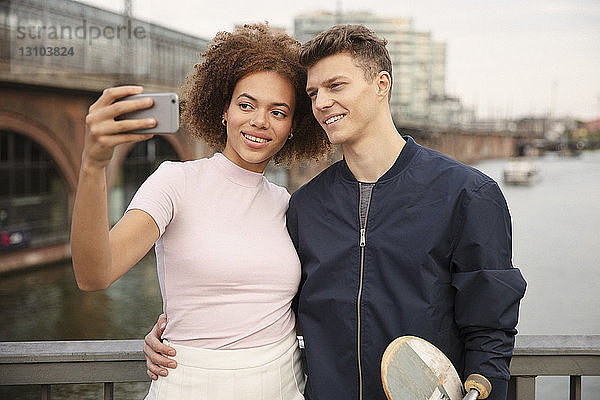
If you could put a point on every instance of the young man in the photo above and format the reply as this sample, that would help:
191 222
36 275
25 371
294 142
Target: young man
394 240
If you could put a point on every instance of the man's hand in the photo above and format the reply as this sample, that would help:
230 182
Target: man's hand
154 350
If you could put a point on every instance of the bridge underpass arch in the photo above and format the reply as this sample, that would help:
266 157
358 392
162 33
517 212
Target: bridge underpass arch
35 196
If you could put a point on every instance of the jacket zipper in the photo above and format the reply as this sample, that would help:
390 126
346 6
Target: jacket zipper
362 243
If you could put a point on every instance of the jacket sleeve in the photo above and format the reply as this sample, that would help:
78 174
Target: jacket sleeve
488 288
291 221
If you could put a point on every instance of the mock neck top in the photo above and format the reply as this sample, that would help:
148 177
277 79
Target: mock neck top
235 173
227 268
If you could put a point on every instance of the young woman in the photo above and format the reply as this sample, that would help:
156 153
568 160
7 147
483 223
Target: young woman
226 266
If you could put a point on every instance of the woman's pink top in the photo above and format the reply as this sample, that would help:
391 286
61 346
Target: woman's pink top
226 266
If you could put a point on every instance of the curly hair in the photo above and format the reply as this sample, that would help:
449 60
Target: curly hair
231 56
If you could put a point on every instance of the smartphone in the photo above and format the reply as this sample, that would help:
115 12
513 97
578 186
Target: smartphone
165 110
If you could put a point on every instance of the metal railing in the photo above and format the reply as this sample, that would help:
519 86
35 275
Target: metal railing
109 361
56 362
552 355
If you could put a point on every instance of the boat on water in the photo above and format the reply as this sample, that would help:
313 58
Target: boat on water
520 172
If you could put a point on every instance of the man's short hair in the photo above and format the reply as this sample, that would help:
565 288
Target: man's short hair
364 45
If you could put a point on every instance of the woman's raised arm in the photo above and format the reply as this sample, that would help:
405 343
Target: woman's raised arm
100 257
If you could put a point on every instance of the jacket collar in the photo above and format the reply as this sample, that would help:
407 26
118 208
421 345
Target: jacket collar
406 155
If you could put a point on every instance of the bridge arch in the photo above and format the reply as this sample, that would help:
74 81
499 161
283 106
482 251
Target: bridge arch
34 203
48 141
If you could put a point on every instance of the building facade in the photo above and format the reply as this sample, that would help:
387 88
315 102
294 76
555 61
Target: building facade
418 61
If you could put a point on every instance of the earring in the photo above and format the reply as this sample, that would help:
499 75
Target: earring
223 121
291 135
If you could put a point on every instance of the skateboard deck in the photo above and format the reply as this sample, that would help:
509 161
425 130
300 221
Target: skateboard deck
414 369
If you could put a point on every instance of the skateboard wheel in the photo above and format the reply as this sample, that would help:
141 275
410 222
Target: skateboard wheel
479 383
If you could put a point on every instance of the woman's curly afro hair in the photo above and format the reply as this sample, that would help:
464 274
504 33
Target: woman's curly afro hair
231 56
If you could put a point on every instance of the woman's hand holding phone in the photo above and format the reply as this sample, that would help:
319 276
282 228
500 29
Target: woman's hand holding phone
103 133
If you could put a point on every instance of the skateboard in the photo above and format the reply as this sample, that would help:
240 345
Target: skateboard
414 369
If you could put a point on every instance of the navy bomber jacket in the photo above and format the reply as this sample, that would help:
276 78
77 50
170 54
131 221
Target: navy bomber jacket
435 263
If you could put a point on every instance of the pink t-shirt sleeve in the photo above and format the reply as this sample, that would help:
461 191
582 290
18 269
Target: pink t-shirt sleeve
160 193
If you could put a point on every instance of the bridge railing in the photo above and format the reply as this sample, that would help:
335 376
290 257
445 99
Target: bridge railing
109 361
553 355
49 363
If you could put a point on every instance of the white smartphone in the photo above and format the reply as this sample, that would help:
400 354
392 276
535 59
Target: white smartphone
165 110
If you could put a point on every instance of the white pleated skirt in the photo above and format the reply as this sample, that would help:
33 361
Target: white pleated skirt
271 372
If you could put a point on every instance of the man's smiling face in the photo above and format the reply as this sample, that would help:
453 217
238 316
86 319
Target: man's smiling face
344 101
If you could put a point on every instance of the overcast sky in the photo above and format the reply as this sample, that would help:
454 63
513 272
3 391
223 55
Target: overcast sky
504 57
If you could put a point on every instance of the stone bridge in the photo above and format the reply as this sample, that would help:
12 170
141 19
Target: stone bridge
56 57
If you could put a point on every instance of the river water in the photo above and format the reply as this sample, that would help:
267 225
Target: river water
556 227
556 223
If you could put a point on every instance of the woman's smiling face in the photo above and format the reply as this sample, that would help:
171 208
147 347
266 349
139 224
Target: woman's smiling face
259 119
